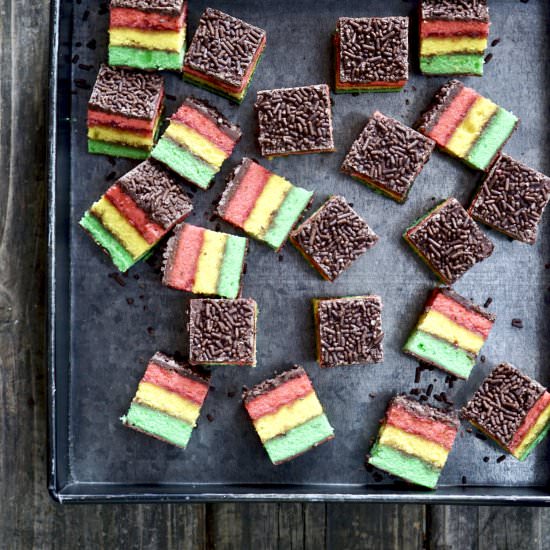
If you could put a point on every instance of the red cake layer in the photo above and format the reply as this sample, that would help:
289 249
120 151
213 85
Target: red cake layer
438 432
454 28
172 381
149 230
205 127
99 118
247 192
530 419
183 263
453 116
136 19
461 315
281 395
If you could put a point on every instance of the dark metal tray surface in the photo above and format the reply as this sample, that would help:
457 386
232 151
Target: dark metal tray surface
102 333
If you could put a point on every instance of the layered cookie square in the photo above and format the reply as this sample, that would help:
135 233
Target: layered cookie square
414 441
450 332
203 261
512 409
224 54
453 37
222 332
136 212
512 199
388 156
197 142
264 205
348 330
148 35
287 415
124 112
168 400
371 54
333 238
448 241
293 121
467 125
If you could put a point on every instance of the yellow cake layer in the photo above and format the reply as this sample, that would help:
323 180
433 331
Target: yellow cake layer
469 129
196 143
170 41
533 433
413 445
114 135
125 233
209 263
269 201
462 44
168 402
435 323
288 417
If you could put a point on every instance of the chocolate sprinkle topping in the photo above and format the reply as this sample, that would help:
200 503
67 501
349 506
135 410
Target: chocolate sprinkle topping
156 191
222 331
450 241
439 104
350 331
512 199
294 120
184 369
171 8
455 10
373 49
224 47
502 402
334 237
269 385
389 154
128 93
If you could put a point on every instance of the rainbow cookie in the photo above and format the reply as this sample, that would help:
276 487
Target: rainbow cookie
168 400
287 415
261 203
197 142
512 409
202 261
224 54
453 37
136 212
467 125
124 112
414 441
147 34
450 333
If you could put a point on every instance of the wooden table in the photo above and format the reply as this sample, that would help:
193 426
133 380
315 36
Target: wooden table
28 518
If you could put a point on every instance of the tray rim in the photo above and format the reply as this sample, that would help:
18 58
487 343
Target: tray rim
72 492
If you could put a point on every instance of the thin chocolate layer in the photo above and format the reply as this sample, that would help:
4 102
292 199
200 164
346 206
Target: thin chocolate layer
233 181
423 410
269 385
439 104
468 304
185 369
209 111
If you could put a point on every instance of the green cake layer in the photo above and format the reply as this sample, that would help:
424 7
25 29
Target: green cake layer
173 430
184 163
404 466
123 56
232 266
440 353
116 150
535 442
452 64
299 439
492 138
119 255
287 215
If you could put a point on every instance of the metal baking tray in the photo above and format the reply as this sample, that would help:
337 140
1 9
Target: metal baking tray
102 333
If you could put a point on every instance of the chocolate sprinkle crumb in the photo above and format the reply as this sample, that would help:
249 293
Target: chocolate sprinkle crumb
488 302
501 458
464 480
486 459
117 278
210 417
453 10
171 8
488 58
129 301
495 42
517 323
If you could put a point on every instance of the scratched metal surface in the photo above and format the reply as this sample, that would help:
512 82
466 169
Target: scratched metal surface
104 332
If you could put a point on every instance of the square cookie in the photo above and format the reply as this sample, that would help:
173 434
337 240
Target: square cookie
294 121
222 332
388 156
371 54
348 330
512 409
449 241
512 199
333 238
287 415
